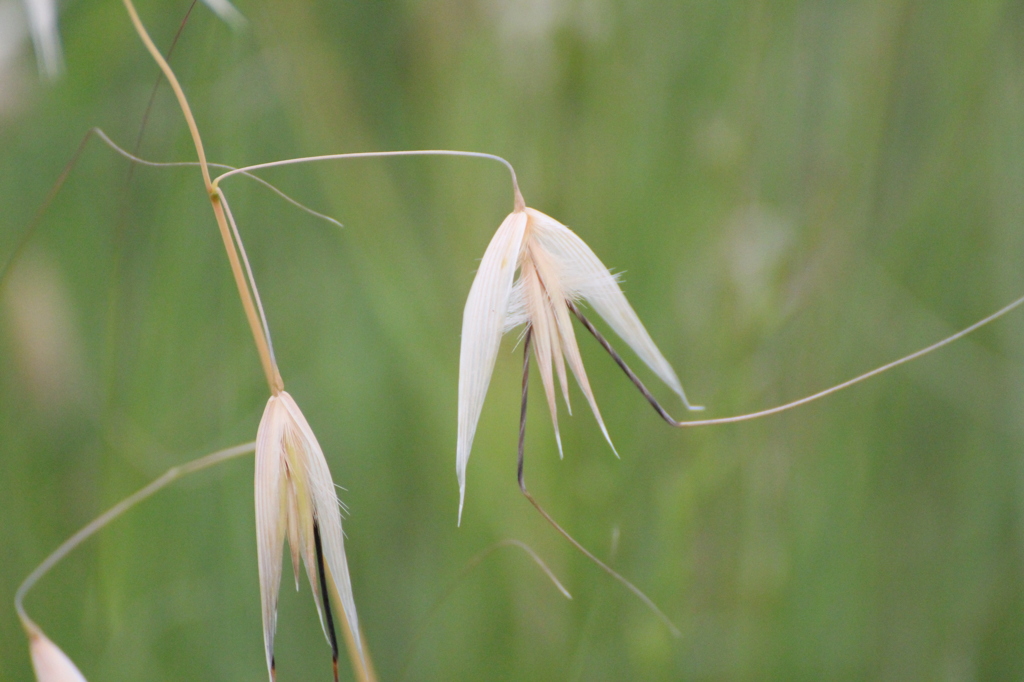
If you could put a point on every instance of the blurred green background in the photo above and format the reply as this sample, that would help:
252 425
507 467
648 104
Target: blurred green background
796 192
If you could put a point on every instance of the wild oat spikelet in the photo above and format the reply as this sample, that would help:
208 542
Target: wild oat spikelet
556 268
295 497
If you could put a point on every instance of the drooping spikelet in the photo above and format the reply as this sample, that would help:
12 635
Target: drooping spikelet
295 498
556 268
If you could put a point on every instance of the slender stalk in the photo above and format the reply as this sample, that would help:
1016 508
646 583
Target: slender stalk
98 132
517 197
101 521
273 376
179 94
648 602
796 403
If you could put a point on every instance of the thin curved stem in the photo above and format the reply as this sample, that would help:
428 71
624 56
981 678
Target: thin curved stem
98 132
796 403
519 204
101 521
648 602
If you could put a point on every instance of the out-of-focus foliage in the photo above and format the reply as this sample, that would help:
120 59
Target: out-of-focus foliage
795 191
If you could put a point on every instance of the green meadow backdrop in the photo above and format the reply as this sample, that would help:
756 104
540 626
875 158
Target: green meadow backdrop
794 191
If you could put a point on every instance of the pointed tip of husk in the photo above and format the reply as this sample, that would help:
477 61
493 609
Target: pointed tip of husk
607 436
